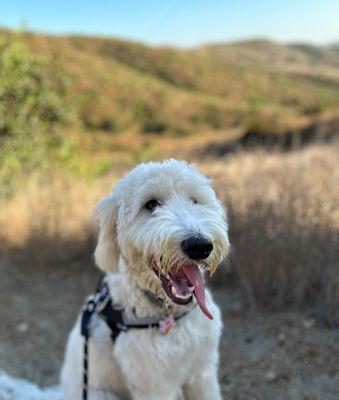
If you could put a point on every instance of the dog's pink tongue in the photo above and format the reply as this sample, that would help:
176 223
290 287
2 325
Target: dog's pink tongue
194 275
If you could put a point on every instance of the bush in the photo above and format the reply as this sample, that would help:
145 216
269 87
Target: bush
265 121
35 103
214 116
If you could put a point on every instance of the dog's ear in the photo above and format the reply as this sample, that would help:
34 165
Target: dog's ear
107 252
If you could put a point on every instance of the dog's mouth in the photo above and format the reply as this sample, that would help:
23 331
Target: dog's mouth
182 282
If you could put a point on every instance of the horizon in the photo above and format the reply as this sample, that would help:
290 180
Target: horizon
30 31
190 24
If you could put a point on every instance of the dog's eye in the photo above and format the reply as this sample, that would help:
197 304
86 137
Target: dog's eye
194 201
152 204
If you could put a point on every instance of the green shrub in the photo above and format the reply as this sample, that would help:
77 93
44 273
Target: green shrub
35 104
262 122
216 116
155 125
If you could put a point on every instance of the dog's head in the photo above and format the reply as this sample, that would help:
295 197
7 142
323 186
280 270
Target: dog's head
165 222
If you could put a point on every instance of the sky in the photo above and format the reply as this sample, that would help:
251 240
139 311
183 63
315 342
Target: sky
180 22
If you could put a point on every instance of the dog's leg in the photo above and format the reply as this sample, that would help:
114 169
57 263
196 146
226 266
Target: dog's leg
203 385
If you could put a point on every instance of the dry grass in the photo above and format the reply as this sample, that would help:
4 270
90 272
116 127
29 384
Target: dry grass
284 217
50 219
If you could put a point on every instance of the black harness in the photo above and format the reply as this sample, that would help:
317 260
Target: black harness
101 304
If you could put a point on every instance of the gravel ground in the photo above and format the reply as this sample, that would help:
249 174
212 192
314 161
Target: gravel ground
281 355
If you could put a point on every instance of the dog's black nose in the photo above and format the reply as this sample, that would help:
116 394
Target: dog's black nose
197 247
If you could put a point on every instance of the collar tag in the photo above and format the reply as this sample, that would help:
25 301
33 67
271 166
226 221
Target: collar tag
167 324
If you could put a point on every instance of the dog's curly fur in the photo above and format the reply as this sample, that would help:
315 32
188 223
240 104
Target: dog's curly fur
144 363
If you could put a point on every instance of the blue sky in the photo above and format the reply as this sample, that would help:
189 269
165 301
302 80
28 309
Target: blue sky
180 22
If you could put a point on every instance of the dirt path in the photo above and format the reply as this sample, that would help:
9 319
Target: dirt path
275 356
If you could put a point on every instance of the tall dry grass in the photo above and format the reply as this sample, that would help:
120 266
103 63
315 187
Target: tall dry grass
50 219
283 212
284 218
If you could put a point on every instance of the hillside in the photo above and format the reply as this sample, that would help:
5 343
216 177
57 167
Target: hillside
297 56
258 85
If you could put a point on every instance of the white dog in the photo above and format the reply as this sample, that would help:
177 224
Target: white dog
160 229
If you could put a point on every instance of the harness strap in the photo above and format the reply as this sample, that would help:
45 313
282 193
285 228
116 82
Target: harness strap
113 318
101 304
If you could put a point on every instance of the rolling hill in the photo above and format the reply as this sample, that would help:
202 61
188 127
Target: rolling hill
126 85
256 85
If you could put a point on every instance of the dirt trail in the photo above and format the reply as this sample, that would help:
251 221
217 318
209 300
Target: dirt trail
268 356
